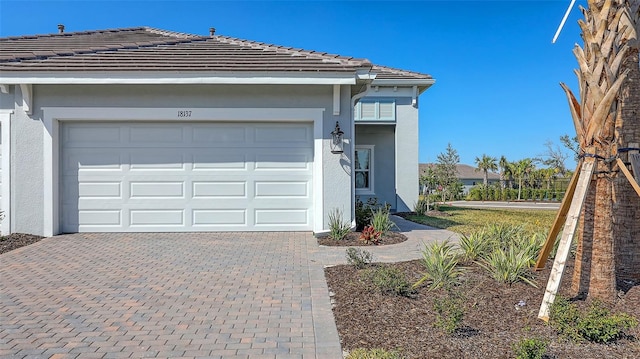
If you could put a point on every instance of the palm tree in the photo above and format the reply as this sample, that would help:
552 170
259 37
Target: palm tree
605 118
504 171
486 164
522 169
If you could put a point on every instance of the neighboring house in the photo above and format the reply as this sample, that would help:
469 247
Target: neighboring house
468 175
140 129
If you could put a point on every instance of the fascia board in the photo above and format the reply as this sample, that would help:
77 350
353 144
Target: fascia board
424 84
150 78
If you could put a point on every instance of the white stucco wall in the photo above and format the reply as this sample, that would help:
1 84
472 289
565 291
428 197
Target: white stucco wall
29 152
406 155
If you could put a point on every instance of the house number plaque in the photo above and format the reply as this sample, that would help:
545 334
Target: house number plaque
184 113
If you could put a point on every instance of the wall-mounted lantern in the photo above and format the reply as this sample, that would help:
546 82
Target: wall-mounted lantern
337 144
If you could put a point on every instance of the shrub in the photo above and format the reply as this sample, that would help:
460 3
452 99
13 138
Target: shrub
597 325
364 212
390 280
370 235
449 312
509 265
381 221
358 258
361 353
441 265
534 348
475 246
338 227
422 206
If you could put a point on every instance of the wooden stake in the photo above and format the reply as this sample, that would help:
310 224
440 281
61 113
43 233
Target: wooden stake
560 220
627 174
634 158
568 231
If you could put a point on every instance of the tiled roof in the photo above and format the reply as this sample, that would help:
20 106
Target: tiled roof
148 49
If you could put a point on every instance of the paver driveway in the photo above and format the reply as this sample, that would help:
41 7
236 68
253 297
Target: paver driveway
226 295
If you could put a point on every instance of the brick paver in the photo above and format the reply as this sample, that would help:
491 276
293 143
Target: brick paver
207 295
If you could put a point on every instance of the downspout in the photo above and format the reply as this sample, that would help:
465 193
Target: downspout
354 100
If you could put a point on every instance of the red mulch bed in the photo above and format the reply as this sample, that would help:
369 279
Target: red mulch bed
492 323
17 240
352 240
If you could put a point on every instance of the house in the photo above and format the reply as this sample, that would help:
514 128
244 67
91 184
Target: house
469 176
141 129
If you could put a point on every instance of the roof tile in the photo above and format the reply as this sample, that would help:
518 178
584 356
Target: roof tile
149 49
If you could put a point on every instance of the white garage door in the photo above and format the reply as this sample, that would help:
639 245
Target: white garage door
172 177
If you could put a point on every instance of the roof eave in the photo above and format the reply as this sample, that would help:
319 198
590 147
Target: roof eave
157 78
423 84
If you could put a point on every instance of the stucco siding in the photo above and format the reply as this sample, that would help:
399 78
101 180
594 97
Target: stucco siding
28 132
406 172
383 139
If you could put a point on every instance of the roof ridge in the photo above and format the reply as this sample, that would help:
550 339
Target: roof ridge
103 31
347 60
183 35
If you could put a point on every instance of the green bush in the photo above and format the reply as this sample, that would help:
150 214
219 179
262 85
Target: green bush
358 258
509 265
440 262
338 227
361 353
534 348
475 246
364 212
449 312
422 206
390 280
596 325
380 220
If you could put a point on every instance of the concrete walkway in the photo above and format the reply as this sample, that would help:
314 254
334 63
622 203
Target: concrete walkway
180 295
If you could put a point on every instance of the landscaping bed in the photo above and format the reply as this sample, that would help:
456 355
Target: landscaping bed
17 240
353 240
496 316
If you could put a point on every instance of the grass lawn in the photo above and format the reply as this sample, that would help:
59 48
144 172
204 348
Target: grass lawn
469 220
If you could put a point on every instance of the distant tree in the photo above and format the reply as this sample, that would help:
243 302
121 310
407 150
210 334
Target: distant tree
446 173
428 179
486 164
555 158
572 144
505 171
522 169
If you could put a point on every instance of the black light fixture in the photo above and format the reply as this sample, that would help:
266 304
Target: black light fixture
337 144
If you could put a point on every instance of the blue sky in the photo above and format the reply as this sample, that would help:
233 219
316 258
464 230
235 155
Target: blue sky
496 70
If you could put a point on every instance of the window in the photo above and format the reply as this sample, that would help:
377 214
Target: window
376 110
364 169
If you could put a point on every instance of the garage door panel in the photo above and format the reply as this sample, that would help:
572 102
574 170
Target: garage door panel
158 160
222 134
297 135
90 135
188 185
219 161
156 135
271 217
100 218
220 218
91 159
289 189
102 190
159 190
218 189
157 217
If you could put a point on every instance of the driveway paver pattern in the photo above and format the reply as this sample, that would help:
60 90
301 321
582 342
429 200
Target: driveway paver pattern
213 295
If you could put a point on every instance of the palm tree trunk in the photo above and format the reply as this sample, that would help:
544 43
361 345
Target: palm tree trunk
609 238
